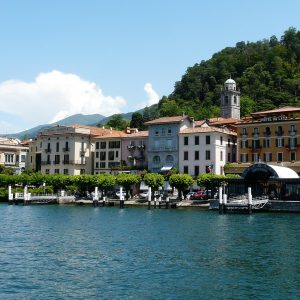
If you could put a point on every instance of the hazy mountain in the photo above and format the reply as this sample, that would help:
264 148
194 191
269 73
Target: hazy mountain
74 119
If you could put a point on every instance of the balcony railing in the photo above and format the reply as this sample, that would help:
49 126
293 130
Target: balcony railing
279 132
48 150
56 162
66 149
45 162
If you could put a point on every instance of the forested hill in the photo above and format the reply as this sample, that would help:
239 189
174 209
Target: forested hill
267 73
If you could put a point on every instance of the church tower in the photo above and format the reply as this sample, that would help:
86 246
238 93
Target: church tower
230 100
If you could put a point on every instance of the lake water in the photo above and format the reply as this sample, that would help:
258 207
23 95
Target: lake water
72 252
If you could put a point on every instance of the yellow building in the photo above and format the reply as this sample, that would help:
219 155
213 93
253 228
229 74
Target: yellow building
269 136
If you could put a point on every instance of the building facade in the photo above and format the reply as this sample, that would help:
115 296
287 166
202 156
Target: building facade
270 136
206 149
64 150
13 154
163 144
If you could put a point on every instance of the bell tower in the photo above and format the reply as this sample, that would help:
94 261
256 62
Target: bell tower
230 100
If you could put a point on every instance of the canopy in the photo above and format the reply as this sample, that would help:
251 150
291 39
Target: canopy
264 171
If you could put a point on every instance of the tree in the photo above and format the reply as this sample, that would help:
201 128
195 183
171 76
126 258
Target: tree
127 181
181 182
169 108
105 182
154 180
211 181
137 121
117 122
247 105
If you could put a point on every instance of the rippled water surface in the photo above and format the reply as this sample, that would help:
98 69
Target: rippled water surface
71 252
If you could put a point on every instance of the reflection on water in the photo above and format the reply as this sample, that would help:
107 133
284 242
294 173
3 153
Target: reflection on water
62 252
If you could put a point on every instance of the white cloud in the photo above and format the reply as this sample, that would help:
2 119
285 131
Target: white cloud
53 96
153 97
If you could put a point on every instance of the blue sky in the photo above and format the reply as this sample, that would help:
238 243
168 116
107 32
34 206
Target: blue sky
58 58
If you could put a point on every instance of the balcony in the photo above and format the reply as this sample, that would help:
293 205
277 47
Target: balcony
48 150
66 149
292 132
141 147
56 162
45 162
267 133
279 132
131 147
66 162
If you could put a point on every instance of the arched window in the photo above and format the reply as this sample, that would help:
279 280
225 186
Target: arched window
234 99
255 130
156 159
268 131
169 159
226 99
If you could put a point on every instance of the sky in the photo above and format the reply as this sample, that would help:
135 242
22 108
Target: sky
59 58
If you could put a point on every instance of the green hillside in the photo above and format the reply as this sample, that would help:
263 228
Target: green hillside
267 72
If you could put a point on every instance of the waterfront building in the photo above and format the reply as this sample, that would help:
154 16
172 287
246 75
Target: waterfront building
206 149
64 150
163 142
270 136
13 154
135 149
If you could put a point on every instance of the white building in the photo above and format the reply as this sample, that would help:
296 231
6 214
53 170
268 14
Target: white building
206 149
13 154
64 150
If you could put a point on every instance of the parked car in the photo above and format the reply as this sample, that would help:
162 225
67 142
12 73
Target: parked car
145 194
190 195
201 195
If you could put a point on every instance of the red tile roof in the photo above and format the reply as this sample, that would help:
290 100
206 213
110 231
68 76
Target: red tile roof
176 119
277 110
207 129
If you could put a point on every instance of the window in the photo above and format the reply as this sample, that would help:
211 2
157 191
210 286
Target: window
169 159
9 158
268 131
293 156
207 139
66 158
255 144
186 170
185 155
226 99
279 130
114 144
103 145
56 171
97 145
57 159
221 140
156 133
244 131
255 130
48 159
82 171
279 156
255 157
97 165
221 155
229 142
47 171
156 159
111 155
186 141
196 140
292 129
279 142
196 155
97 154
102 165
244 144
163 132
228 157
244 157
117 154
234 99
156 145
23 158
266 143
169 131
207 154
102 155
57 147
196 170
66 171
293 142
267 156
41 145
169 144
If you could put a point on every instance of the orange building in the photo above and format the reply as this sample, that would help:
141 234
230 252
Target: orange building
270 136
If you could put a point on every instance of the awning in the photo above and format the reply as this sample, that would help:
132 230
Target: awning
265 171
166 168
